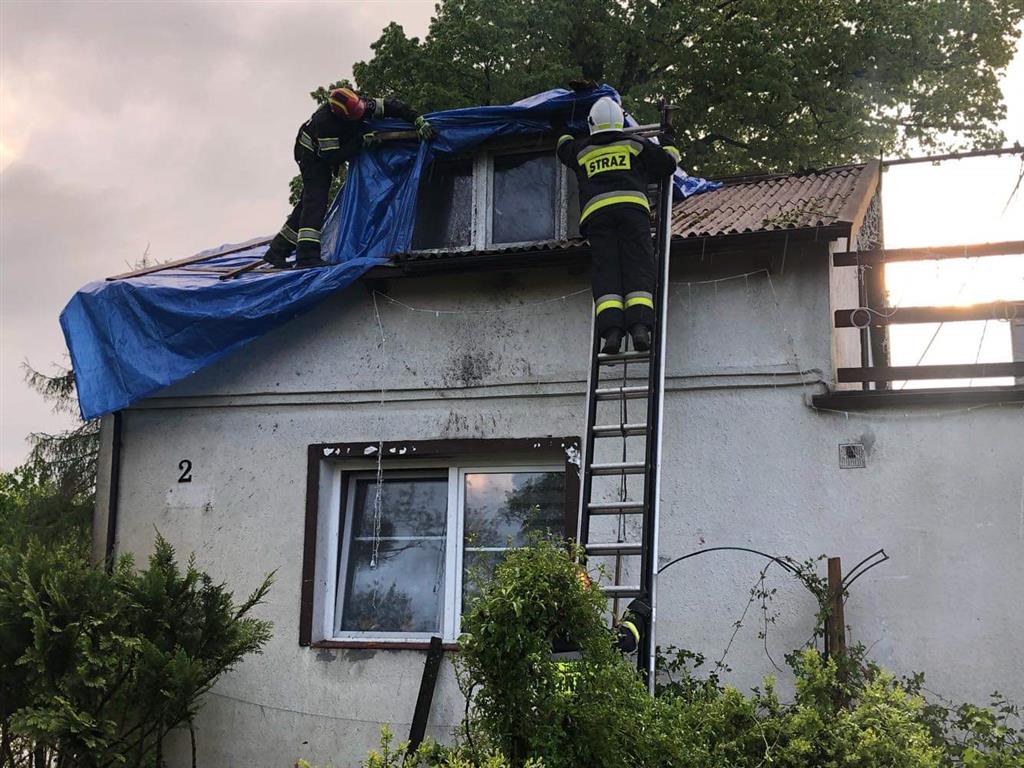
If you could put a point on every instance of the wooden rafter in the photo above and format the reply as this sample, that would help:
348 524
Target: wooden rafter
877 318
885 256
917 372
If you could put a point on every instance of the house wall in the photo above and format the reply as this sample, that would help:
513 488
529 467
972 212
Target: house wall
746 463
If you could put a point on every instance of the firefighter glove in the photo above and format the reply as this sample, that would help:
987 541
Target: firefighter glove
425 129
370 140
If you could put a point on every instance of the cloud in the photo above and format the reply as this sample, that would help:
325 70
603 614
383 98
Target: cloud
132 124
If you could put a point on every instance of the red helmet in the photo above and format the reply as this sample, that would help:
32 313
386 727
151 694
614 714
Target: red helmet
346 103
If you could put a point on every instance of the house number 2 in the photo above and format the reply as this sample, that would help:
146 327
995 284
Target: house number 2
185 465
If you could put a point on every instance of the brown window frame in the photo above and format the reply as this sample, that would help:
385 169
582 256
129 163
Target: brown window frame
396 453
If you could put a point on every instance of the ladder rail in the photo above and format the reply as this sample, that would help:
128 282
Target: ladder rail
587 446
655 415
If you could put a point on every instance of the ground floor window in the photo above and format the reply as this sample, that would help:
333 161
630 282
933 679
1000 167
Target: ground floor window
414 540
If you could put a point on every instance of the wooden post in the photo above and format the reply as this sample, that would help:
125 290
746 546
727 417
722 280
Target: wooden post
418 729
835 630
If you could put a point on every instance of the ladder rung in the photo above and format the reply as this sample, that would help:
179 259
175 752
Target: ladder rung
620 430
622 357
616 393
619 468
622 590
614 507
615 548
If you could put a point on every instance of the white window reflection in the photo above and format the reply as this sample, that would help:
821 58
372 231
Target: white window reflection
402 561
395 575
501 510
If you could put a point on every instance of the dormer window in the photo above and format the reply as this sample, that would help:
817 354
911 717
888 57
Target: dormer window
498 198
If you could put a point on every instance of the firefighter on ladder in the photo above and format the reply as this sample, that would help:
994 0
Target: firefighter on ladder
627 632
614 170
337 131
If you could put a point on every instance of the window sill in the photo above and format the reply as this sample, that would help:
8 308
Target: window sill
854 399
381 645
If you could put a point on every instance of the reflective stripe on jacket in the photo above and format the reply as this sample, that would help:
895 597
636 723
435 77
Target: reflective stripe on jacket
614 169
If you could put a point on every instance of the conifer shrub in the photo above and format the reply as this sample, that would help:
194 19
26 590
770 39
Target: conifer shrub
98 665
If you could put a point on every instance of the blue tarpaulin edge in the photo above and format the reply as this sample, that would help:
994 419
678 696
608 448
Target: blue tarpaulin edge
129 338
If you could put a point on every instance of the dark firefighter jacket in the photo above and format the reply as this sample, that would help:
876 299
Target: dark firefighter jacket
333 139
615 169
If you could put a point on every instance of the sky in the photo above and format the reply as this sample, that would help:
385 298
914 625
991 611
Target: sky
166 128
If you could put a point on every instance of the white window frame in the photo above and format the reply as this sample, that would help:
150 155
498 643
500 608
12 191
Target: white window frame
338 526
482 215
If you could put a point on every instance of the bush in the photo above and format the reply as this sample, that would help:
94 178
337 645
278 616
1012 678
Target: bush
97 666
526 710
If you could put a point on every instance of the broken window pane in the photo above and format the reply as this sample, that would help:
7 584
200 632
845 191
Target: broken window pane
394 580
523 203
444 206
501 510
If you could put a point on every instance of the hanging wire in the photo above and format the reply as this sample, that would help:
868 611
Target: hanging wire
928 346
977 353
378 512
781 323
501 310
1016 187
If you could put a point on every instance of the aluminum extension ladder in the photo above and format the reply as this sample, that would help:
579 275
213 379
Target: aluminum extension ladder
613 385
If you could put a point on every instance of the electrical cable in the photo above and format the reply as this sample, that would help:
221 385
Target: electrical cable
974 266
378 513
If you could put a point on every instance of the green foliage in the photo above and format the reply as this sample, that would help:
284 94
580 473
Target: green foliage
524 709
55 488
589 712
97 666
771 84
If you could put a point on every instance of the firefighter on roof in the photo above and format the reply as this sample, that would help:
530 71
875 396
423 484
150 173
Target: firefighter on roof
614 170
337 131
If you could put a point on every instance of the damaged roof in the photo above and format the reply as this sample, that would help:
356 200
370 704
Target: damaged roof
830 198
771 203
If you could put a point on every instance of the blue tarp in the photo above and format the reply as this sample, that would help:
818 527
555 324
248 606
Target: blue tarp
130 338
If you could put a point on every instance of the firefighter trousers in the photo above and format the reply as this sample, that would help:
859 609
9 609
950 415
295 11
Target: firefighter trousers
302 229
622 267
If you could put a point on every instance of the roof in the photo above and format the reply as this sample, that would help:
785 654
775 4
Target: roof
830 198
796 201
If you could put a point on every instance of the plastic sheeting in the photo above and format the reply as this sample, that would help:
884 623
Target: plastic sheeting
130 338
377 211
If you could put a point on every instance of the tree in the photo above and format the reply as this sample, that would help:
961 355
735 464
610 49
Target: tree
770 84
55 488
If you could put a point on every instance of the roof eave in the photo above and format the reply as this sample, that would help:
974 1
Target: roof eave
580 255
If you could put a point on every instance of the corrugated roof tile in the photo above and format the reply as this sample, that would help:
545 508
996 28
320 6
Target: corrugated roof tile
761 205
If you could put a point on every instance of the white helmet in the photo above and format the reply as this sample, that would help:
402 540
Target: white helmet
605 115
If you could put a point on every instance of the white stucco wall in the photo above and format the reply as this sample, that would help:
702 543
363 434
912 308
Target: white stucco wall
747 463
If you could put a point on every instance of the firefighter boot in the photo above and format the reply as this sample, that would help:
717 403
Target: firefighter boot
641 335
612 341
308 255
278 252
